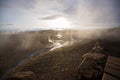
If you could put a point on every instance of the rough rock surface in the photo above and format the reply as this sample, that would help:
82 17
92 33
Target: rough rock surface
92 65
23 75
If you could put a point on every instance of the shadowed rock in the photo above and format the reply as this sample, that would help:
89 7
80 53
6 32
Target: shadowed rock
92 64
23 75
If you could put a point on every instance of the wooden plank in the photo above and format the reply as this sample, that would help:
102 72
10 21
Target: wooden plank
114 66
108 77
113 59
112 71
113 62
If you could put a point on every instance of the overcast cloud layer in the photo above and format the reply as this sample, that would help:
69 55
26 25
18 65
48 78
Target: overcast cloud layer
38 14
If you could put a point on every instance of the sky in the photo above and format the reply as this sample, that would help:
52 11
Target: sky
22 15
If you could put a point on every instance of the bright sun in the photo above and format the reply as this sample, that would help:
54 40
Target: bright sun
59 23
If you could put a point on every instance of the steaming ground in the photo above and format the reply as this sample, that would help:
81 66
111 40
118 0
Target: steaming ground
50 52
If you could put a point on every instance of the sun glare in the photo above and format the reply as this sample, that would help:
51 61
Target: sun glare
59 23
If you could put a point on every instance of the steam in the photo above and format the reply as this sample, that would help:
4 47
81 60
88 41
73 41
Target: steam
58 43
42 39
59 35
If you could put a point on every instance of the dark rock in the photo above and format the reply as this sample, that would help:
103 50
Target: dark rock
23 75
91 66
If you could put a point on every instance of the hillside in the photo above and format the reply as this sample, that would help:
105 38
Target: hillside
59 64
16 47
62 63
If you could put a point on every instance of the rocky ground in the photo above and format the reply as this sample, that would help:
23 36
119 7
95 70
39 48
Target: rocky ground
92 65
81 62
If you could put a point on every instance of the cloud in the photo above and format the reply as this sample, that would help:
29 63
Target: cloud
8 24
81 13
4 25
84 12
24 4
95 13
50 17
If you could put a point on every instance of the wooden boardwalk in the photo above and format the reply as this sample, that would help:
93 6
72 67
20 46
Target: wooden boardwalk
112 69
